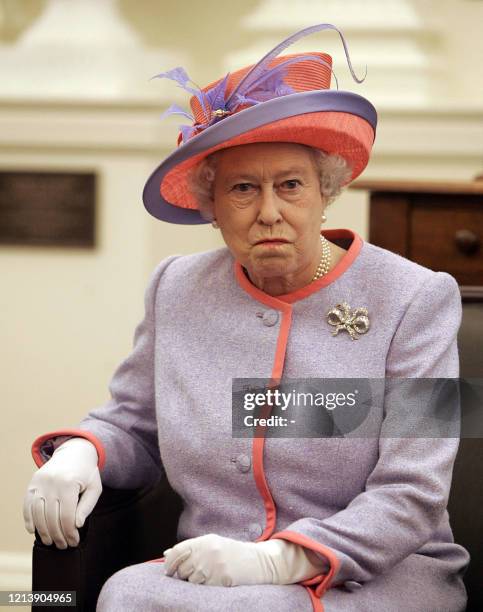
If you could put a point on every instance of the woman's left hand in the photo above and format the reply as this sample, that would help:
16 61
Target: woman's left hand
217 560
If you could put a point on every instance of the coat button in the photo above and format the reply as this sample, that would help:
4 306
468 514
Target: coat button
255 530
243 463
352 585
270 318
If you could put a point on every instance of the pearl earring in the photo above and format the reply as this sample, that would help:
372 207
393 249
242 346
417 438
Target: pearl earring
324 218
215 224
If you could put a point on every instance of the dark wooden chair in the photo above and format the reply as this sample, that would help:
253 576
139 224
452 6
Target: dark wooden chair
128 527
125 527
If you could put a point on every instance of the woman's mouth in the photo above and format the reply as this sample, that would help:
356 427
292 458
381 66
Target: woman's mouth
272 242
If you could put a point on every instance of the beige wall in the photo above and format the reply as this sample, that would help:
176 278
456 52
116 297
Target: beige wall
68 315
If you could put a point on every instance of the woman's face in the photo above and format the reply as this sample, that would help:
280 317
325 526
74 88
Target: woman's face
268 205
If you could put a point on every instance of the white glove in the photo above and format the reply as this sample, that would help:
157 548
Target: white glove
52 503
216 560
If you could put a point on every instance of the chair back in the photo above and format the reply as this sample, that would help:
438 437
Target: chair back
465 506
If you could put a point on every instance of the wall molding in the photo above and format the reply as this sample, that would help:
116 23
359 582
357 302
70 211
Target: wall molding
138 129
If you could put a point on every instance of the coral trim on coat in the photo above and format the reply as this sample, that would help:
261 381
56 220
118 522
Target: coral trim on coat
77 433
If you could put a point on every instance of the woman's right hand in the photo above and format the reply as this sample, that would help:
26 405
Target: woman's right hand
52 504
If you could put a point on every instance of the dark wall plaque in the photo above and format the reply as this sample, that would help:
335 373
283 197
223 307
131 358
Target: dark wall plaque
47 208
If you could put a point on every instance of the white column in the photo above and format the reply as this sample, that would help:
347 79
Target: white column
81 50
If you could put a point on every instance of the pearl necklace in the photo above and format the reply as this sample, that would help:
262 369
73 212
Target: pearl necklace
324 263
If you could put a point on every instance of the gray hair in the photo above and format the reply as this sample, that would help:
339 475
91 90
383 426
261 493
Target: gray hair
334 172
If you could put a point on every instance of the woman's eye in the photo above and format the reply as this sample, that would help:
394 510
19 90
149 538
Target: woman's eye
242 187
291 184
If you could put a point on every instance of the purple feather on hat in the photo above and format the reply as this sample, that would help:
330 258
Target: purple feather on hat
181 77
216 95
260 84
253 74
174 109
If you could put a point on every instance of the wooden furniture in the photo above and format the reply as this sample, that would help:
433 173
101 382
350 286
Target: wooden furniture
436 224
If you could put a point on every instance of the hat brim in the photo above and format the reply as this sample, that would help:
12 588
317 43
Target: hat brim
335 121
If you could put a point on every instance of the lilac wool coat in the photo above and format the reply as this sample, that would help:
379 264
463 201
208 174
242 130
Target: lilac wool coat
375 508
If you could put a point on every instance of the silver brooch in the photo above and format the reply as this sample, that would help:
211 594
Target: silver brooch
355 321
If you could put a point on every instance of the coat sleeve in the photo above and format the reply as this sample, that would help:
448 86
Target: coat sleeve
124 429
407 492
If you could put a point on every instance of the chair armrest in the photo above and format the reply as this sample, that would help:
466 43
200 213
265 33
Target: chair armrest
125 527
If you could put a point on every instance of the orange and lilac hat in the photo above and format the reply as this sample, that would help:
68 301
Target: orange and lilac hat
279 99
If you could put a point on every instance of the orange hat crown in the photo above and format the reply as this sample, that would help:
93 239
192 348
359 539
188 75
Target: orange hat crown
306 73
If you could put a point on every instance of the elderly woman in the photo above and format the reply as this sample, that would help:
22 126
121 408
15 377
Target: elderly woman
335 523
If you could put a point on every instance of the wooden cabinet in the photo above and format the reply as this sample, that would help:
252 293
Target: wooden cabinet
440 226
436 224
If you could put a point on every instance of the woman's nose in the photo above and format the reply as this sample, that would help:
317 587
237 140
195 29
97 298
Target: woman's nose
269 206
